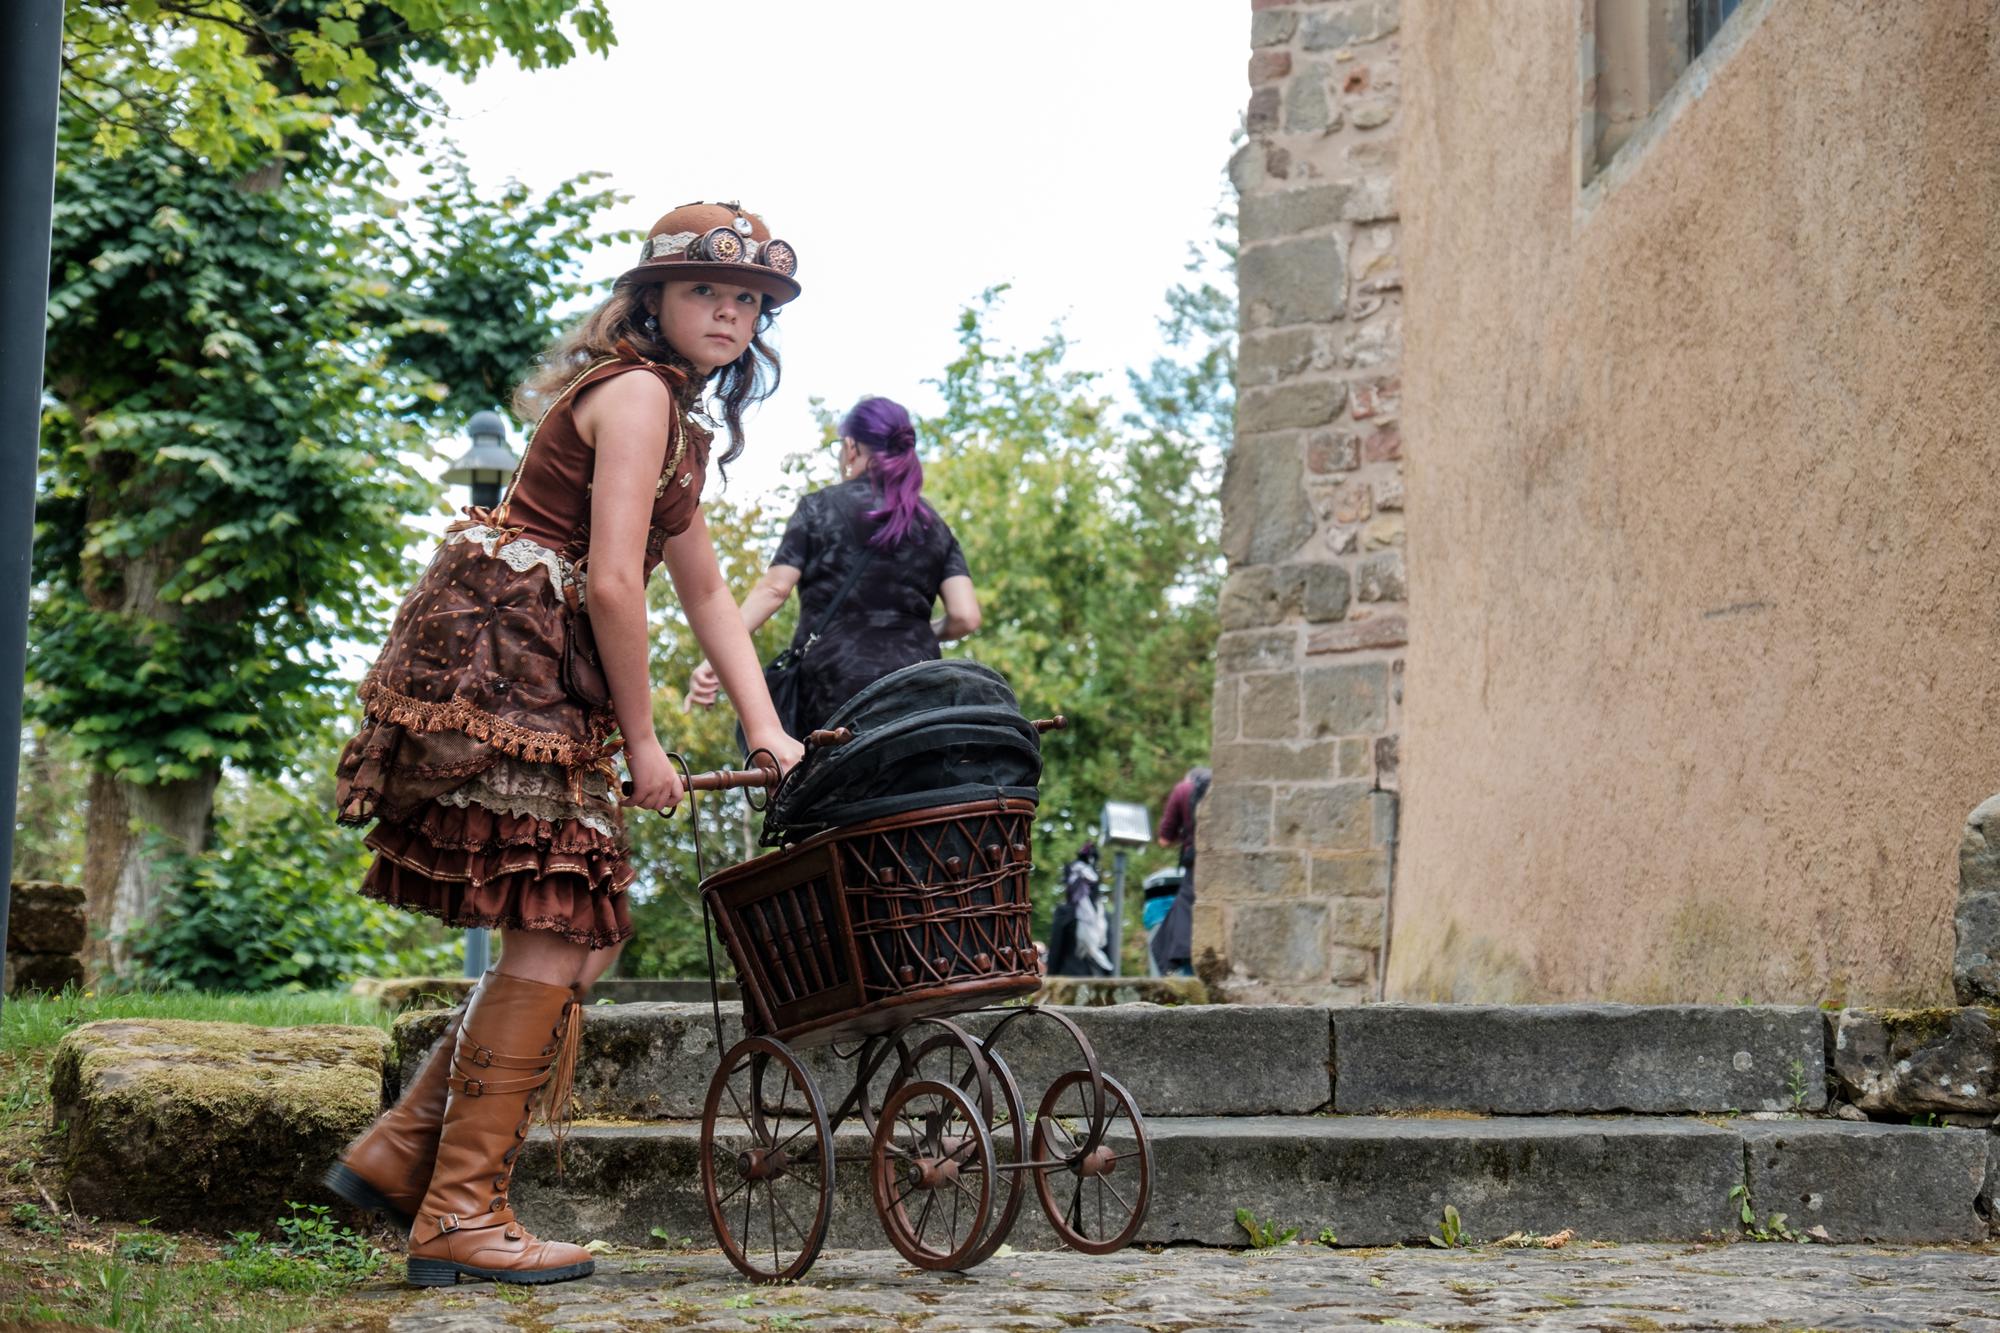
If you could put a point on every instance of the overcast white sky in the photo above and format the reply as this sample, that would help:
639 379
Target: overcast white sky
913 153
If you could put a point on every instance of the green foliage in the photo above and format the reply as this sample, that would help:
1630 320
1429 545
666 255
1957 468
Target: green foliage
231 81
1264 1235
30 1217
240 918
34 1024
1773 1228
1094 551
313 1252
1450 1234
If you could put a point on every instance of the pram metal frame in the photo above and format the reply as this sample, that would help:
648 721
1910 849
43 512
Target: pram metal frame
880 934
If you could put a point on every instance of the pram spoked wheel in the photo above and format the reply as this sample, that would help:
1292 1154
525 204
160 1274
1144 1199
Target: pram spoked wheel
766 1161
1094 1176
953 1057
932 1172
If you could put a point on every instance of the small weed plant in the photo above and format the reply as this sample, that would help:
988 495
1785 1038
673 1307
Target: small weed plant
1451 1233
30 1217
1774 1227
1264 1235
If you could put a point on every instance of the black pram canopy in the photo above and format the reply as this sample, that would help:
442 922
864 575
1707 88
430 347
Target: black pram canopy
933 734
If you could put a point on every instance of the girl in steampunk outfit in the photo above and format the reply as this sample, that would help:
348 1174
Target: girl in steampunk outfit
515 671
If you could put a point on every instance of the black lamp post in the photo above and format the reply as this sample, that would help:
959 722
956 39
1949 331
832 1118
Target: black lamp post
488 465
30 61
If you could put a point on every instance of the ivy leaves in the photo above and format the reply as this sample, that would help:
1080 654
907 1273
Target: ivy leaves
234 81
246 365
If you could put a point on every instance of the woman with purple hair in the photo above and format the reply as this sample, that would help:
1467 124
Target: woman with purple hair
869 558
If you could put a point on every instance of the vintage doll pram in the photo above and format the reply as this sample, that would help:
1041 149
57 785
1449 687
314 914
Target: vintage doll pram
897 900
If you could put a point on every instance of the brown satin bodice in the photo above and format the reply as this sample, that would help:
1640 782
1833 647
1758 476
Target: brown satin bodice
550 500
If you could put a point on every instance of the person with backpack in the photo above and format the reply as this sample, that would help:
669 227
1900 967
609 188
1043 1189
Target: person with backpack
1079 932
1173 942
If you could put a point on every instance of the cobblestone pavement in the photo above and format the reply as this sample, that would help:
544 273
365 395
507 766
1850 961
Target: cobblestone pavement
1625 1288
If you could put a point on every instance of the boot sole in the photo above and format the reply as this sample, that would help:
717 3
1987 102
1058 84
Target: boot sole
365 1196
445 1273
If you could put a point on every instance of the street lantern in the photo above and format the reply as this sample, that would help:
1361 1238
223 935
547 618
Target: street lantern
488 464
1123 824
486 467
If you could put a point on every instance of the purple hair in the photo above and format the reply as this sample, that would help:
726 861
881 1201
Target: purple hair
882 426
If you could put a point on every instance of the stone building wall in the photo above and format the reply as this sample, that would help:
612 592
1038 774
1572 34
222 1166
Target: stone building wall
1297 831
1707 517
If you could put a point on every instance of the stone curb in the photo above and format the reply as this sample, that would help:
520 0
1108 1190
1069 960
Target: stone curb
1381 1180
1578 1058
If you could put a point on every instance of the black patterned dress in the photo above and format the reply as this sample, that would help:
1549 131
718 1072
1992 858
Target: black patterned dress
885 623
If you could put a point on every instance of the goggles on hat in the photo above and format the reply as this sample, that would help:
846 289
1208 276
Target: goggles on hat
722 245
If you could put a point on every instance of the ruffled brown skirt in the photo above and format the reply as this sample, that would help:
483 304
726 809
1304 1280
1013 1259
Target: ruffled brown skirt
475 837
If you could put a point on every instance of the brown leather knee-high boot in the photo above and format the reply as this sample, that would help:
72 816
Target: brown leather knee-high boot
388 1168
518 1037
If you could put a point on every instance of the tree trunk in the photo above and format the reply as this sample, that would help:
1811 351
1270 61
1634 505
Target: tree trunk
122 880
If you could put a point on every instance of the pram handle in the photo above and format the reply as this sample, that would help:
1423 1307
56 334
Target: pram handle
727 779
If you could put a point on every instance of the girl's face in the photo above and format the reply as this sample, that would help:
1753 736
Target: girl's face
709 323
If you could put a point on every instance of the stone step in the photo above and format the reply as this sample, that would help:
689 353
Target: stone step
1380 1180
646 1061
1552 1059
654 1061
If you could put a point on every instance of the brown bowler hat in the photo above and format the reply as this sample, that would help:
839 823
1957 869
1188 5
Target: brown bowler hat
717 243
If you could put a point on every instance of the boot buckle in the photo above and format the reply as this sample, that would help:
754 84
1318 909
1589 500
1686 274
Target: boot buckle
447 1222
475 1087
484 1057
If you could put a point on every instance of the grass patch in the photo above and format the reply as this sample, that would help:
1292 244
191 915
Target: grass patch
37 1024
60 1267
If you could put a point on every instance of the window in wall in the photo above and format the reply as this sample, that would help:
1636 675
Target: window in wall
1636 50
1705 19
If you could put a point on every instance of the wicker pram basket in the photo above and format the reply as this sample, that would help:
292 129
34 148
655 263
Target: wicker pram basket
862 929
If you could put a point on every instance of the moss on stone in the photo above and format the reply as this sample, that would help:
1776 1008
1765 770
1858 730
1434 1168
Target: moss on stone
209 1124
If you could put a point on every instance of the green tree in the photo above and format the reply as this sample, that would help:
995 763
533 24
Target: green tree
251 337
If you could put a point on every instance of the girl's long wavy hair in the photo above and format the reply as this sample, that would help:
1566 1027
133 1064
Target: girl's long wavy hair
882 427
621 319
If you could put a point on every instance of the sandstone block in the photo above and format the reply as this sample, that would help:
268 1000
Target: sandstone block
1905 1063
1354 635
1267 66
209 1125
1889 1183
1387 1181
1335 816
1265 513
1975 963
1307 110
1328 590
1237 815
1284 941
1273 27
1294 282
1346 700
1225 874
1260 596
1577 1058
1244 651
1351 24
1358 875
44 917
1379 578
1289 406
1270 706
1275 761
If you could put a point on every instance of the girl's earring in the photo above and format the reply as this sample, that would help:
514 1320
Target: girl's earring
652 325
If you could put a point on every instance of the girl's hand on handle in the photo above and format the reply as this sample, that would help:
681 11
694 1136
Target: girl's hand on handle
656 784
787 751
704 685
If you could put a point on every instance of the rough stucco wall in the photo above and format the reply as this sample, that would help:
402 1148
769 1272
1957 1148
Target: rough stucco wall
1704 484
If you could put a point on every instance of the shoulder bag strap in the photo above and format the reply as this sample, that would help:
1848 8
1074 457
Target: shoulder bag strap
840 597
